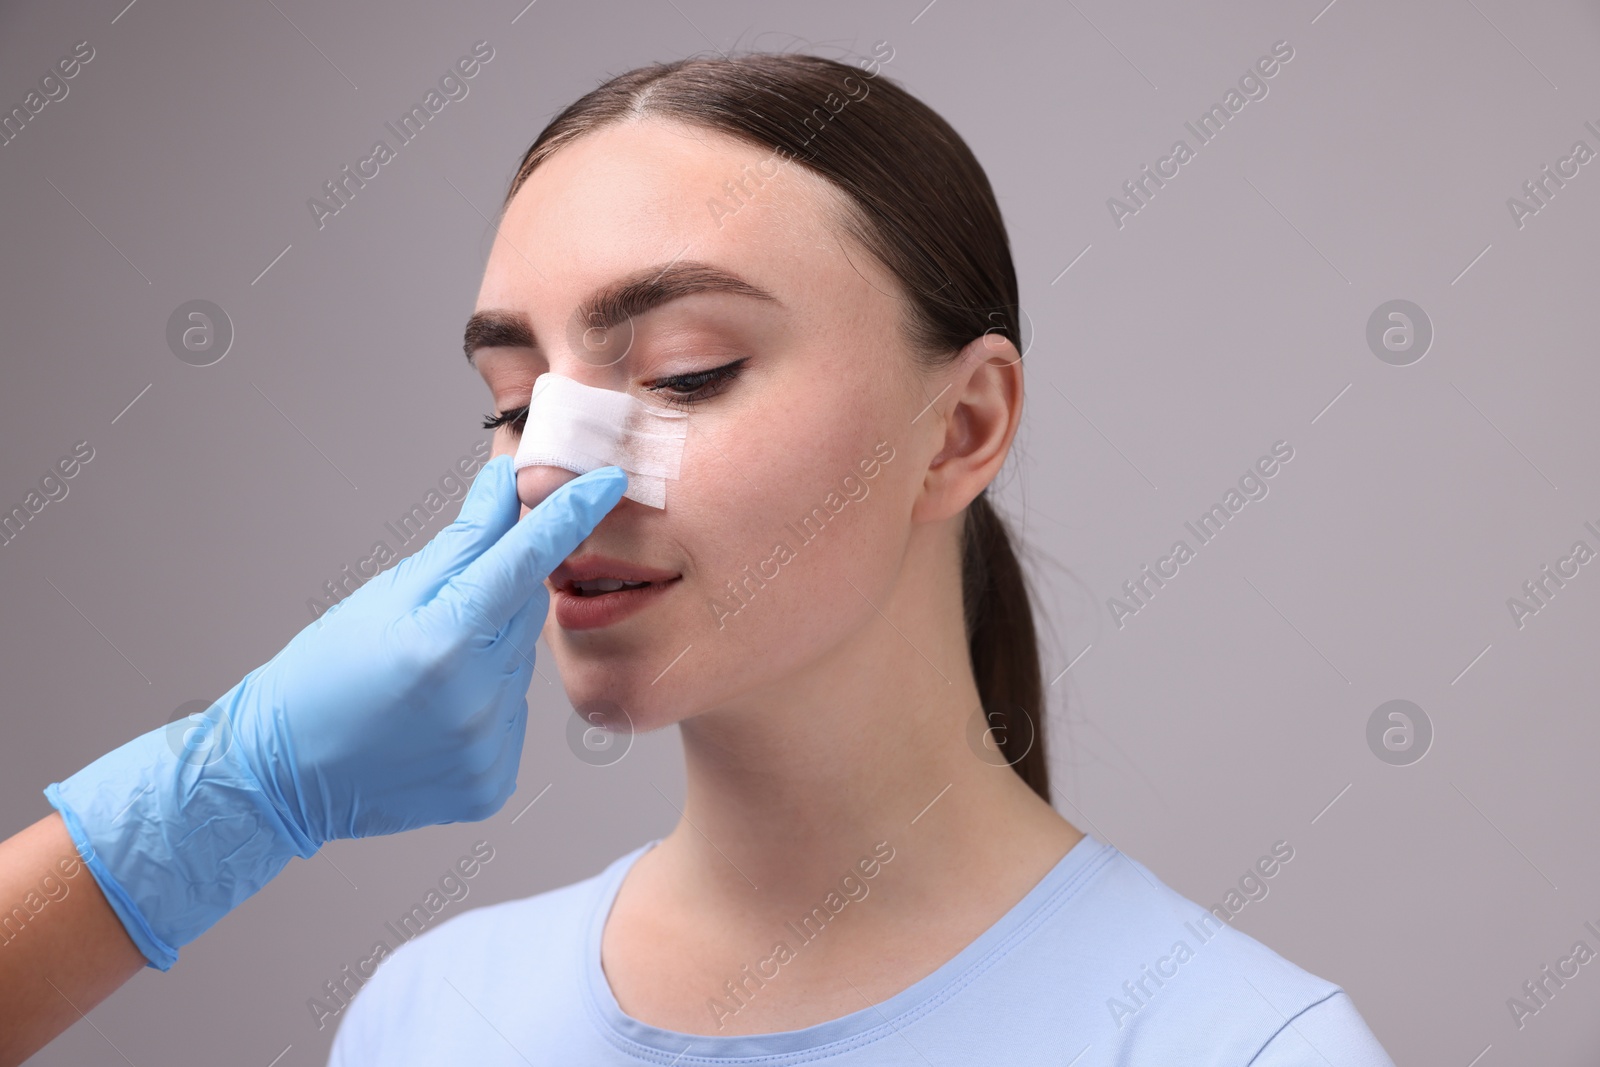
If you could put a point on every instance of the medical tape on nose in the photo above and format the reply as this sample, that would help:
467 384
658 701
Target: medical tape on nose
581 428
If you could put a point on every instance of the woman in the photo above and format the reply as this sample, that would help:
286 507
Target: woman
811 263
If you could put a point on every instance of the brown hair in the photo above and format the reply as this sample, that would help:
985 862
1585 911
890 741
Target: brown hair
920 202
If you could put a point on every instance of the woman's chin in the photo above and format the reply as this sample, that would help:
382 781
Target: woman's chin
605 714
613 699
638 689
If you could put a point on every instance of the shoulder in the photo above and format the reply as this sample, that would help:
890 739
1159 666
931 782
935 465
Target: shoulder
474 960
1154 969
1330 1031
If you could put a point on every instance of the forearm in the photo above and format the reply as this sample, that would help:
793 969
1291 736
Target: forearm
62 949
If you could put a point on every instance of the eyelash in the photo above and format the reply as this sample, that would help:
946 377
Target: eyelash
716 379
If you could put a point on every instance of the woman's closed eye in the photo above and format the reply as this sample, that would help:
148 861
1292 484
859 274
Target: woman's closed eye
685 390
513 418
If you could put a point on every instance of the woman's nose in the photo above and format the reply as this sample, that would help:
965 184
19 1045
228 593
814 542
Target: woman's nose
536 483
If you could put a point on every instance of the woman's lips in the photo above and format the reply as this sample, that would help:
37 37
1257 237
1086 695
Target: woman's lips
587 568
574 612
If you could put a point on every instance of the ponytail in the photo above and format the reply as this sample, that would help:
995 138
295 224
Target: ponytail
1003 644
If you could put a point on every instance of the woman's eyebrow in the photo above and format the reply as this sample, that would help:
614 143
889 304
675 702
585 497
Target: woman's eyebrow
632 295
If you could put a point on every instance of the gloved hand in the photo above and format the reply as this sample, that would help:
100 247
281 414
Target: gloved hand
402 706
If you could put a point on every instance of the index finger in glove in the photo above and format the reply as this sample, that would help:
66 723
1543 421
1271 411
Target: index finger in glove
489 510
502 579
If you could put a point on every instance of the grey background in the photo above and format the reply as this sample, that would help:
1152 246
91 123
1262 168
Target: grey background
1230 313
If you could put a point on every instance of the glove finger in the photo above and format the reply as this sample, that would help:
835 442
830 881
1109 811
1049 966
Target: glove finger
509 759
489 510
525 626
514 649
491 588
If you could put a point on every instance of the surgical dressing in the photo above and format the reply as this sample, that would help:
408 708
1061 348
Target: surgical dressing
581 428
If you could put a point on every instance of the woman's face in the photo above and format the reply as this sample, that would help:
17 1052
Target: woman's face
817 433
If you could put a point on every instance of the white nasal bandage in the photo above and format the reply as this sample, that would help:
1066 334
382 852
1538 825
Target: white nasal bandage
581 428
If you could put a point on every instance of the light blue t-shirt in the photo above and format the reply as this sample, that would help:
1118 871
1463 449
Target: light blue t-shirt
1099 965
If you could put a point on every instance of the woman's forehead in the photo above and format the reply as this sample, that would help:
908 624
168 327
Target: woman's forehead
640 193
648 175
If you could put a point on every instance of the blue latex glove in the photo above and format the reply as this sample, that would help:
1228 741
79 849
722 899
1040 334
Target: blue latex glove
402 706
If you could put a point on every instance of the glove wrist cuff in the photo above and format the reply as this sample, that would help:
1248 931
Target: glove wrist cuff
176 837
159 954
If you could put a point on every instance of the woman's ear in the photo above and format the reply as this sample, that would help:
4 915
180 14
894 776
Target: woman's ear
977 411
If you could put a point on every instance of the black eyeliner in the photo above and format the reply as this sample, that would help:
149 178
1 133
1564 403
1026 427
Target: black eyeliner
718 376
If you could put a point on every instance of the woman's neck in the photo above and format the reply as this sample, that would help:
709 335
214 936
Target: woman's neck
864 778
879 741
